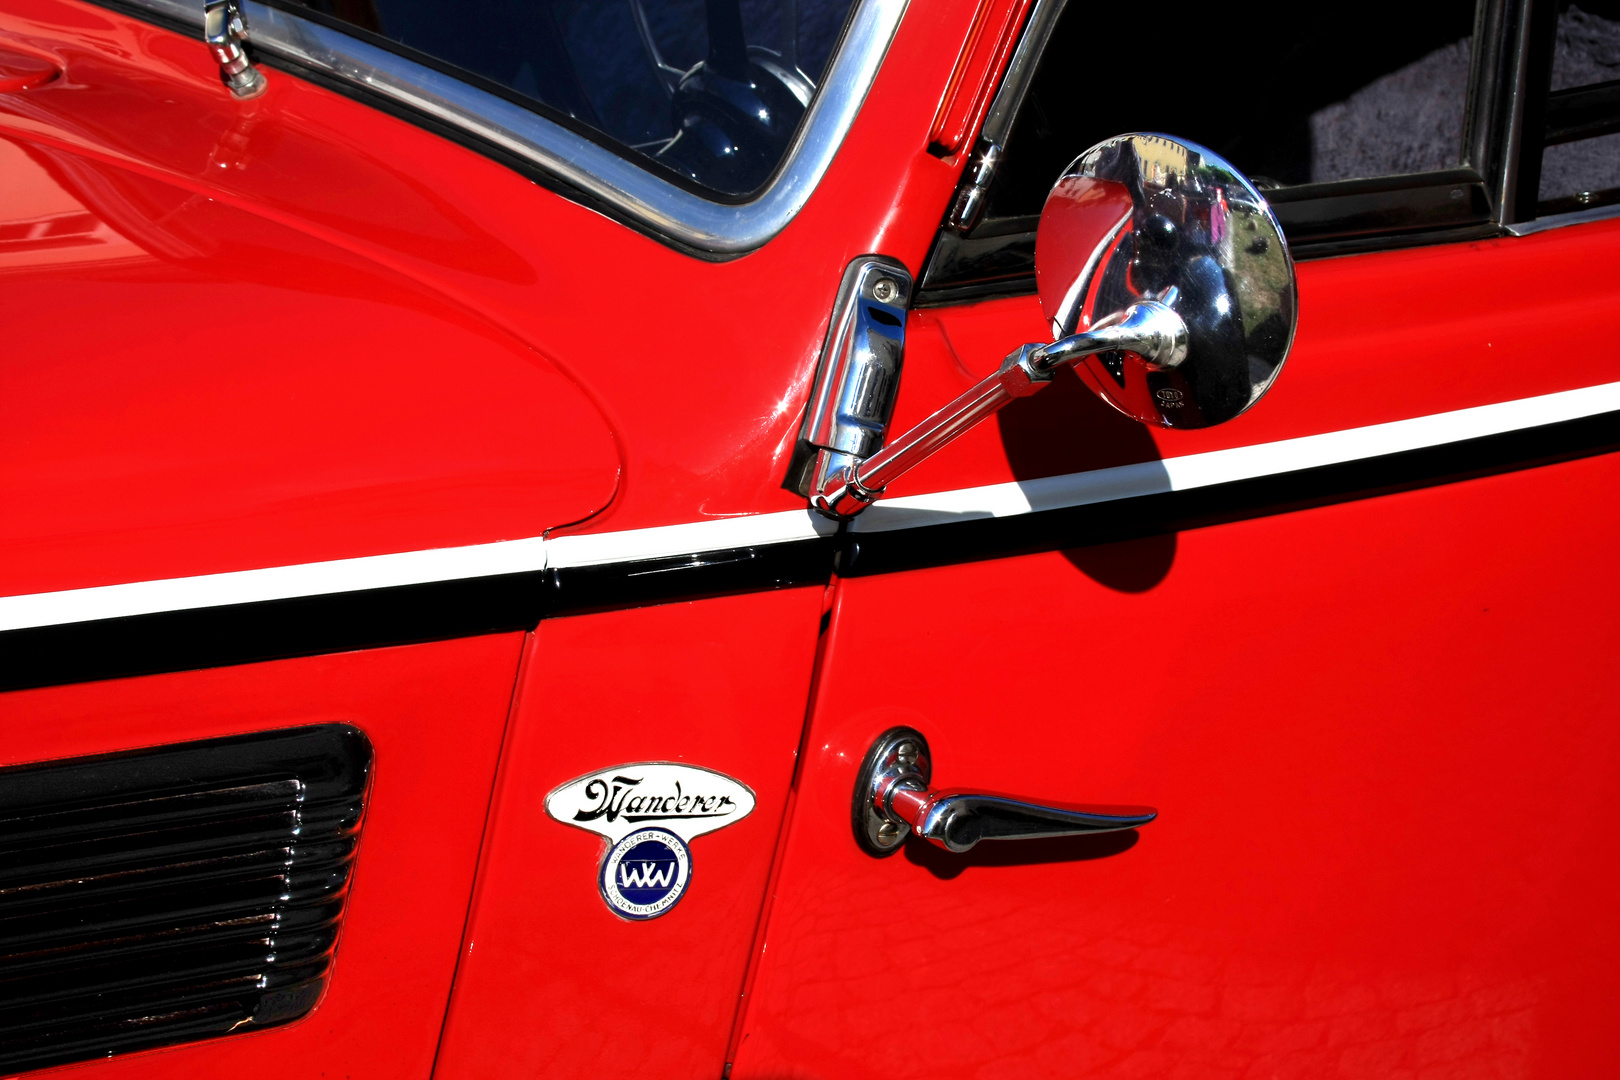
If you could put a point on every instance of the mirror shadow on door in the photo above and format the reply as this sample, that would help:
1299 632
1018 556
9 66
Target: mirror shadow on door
1068 429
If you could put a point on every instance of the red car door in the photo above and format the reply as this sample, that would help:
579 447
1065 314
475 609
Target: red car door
396 531
1356 647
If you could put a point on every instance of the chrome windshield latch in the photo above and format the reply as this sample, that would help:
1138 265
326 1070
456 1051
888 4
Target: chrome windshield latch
226 34
858 376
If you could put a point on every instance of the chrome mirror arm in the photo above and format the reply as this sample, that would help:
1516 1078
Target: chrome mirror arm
1151 330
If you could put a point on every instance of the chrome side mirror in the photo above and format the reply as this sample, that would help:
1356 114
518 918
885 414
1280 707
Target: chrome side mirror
1168 286
1143 222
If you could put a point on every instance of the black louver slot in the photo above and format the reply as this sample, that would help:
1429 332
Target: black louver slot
173 894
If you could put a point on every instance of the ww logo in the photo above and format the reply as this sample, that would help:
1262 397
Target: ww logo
645 873
649 876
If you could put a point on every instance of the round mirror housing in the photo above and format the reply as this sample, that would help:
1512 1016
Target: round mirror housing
1143 220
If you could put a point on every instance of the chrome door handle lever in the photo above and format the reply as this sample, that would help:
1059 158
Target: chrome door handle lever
892 798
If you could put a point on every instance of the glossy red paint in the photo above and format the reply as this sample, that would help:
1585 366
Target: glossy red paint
985 54
551 982
191 386
316 331
435 715
20 71
445 247
1381 337
1383 743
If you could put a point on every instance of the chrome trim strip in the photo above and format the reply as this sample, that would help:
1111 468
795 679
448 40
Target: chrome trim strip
1558 221
764 530
690 219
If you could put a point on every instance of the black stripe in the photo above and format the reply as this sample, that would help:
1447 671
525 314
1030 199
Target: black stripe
863 554
272 629
690 577
306 626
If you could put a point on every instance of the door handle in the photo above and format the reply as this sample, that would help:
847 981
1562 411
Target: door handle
892 798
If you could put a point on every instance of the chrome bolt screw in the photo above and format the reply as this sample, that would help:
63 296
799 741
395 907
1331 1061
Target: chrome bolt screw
884 290
888 834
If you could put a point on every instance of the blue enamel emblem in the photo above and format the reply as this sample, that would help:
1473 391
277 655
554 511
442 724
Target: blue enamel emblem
646 873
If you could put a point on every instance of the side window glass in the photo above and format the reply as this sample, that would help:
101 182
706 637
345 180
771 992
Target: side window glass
1580 165
711 90
1353 118
1290 94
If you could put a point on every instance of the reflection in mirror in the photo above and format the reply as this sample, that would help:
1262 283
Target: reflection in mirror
1142 220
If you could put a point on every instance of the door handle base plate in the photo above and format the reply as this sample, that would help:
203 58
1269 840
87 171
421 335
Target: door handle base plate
896 753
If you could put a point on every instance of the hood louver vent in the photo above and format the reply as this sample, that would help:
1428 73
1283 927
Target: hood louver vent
173 894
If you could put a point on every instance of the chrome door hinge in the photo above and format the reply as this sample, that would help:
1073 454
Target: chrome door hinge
858 376
975 184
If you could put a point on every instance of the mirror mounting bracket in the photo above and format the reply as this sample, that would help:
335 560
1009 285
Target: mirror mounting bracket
858 376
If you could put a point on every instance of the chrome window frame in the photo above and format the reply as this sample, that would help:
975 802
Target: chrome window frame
616 181
1502 112
1559 221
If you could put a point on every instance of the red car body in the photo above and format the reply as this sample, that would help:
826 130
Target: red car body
1376 714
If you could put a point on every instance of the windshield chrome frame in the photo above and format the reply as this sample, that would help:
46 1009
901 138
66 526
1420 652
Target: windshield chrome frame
638 193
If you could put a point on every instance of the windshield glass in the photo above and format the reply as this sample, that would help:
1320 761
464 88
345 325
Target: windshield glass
711 89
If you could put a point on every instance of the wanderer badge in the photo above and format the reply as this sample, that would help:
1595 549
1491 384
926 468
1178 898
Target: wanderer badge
649 813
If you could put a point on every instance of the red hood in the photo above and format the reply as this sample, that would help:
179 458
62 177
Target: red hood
197 379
